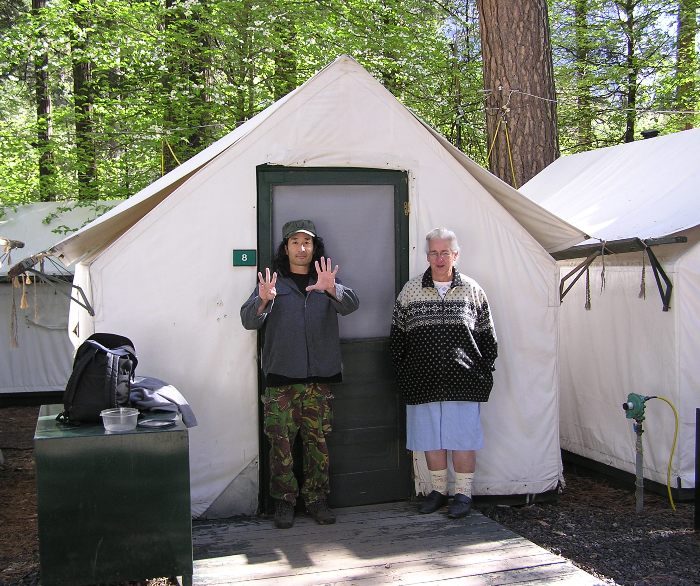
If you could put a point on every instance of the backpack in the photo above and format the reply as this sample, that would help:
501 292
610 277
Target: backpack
101 378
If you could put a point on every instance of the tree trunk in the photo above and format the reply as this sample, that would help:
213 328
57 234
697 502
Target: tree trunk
285 52
457 93
242 73
169 159
199 74
461 56
186 83
390 69
632 68
581 67
47 169
83 105
687 60
519 84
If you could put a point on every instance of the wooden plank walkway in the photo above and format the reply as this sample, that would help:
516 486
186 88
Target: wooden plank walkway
375 544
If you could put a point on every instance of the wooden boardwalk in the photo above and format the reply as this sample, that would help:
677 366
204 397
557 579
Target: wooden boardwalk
376 544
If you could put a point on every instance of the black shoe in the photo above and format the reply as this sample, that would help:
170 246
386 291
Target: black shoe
459 507
284 514
320 512
434 501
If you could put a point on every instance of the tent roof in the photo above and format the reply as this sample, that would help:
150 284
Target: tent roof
551 232
643 189
28 224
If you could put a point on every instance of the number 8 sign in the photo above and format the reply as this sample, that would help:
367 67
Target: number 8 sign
245 258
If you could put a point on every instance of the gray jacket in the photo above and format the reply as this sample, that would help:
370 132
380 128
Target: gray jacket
301 332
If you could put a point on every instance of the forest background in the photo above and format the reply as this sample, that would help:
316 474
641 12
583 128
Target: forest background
99 98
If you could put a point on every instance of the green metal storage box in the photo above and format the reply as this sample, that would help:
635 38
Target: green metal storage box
112 506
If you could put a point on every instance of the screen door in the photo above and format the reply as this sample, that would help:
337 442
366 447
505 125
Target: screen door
360 214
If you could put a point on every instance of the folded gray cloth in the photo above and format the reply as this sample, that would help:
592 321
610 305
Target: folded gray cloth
154 394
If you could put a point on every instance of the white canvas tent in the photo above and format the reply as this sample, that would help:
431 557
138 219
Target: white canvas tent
648 190
41 360
158 269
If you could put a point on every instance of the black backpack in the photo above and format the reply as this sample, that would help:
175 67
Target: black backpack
101 379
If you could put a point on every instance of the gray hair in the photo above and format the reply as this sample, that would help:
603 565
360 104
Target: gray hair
442 234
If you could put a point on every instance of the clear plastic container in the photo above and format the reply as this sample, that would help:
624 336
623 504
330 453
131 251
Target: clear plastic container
119 418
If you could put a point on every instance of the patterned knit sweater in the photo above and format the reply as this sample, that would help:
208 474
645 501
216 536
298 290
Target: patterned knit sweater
443 349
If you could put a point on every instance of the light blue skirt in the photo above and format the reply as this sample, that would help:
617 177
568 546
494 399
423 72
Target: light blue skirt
445 425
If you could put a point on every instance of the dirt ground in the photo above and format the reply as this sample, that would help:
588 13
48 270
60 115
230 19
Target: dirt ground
593 523
19 549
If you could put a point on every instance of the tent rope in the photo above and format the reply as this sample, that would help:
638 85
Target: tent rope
588 288
602 270
643 284
510 153
510 150
14 343
162 156
36 300
36 290
504 119
6 255
23 303
493 142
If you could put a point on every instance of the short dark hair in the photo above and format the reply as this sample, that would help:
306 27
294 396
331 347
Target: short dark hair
280 262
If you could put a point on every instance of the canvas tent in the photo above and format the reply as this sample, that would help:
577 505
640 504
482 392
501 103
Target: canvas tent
646 190
158 268
37 355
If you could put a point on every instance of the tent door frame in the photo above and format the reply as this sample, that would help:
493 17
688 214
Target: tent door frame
269 176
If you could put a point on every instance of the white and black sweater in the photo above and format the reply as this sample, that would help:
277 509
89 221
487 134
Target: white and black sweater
443 349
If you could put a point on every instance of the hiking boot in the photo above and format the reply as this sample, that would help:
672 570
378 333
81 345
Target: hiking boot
434 501
320 512
460 506
284 514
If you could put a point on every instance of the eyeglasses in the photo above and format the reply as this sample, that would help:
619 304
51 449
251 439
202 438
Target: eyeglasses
434 254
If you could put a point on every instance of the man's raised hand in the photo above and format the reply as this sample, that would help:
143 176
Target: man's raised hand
267 289
325 276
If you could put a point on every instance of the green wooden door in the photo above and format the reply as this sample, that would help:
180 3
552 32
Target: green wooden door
361 215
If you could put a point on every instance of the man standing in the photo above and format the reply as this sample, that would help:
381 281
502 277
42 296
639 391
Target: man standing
297 306
443 346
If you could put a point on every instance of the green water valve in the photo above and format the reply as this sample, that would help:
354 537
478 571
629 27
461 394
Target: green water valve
634 406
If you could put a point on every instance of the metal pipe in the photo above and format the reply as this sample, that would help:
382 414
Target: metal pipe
639 466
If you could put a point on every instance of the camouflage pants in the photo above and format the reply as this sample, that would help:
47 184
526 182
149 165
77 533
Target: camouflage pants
292 409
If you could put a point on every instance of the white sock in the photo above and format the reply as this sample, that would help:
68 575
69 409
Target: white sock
463 483
438 478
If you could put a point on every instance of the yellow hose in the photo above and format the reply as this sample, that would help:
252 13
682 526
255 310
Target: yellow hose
673 449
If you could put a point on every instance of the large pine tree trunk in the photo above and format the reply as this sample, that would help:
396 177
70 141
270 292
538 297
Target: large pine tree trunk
519 81
47 169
